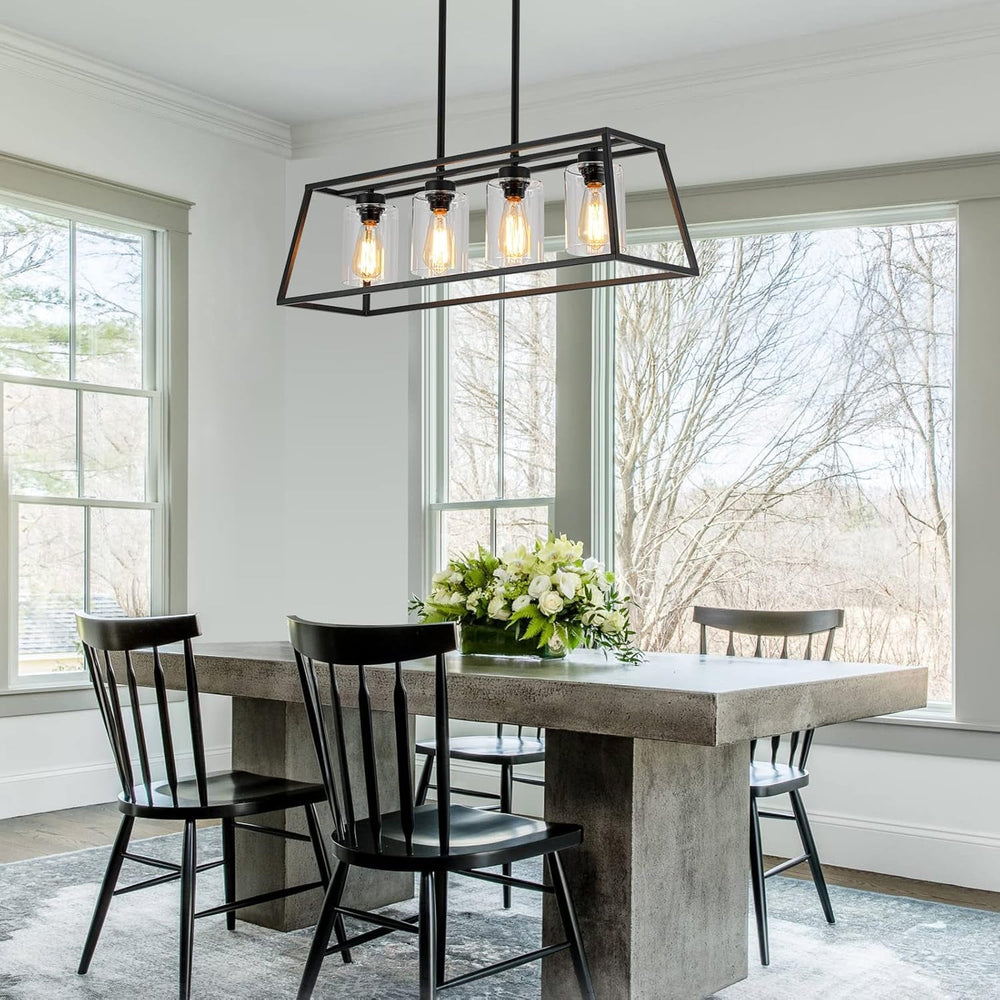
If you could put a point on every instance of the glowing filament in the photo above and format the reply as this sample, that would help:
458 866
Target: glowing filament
593 222
439 244
515 233
368 262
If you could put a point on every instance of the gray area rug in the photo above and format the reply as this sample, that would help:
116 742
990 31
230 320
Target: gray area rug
882 948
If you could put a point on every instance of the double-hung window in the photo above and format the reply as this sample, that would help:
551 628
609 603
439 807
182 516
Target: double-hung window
491 423
84 429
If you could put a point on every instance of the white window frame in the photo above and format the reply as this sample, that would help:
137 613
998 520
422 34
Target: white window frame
603 471
154 390
436 451
162 222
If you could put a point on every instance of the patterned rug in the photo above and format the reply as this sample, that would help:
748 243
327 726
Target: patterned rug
882 948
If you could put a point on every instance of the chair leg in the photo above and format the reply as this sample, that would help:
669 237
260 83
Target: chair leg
325 874
189 865
107 891
757 879
229 867
570 924
507 806
441 922
318 845
425 780
809 846
324 928
428 936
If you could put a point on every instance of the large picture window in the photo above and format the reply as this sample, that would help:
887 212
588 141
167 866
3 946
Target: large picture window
784 436
83 429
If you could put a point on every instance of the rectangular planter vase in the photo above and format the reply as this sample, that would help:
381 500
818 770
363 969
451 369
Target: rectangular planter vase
495 640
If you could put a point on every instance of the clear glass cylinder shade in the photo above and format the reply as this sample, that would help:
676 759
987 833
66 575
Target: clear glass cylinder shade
439 240
369 252
587 231
515 227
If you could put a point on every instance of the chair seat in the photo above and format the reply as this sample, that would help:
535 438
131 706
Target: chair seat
490 750
479 839
775 779
230 793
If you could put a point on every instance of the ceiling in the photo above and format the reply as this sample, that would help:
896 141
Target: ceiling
302 60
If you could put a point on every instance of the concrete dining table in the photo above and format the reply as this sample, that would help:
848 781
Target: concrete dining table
651 759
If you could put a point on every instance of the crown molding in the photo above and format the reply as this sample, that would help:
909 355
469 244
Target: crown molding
969 32
96 78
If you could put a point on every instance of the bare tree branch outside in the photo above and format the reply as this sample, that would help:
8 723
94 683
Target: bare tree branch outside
784 438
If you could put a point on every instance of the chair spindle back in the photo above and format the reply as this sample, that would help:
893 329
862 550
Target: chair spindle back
103 636
784 625
319 650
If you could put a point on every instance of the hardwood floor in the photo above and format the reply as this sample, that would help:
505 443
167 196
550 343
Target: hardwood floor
38 836
43 834
894 885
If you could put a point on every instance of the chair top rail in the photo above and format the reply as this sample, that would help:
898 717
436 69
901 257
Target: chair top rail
118 634
770 623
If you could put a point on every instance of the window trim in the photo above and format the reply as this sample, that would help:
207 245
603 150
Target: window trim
972 184
90 199
603 473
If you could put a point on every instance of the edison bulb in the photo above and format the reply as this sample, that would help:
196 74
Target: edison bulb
439 243
368 261
515 233
593 223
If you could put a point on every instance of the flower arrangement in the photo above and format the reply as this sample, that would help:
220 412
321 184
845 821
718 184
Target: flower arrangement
550 595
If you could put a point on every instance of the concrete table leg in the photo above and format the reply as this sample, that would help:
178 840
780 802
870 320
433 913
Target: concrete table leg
660 882
272 737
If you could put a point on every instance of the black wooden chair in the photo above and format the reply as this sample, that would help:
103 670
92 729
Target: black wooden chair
507 752
429 840
228 795
770 778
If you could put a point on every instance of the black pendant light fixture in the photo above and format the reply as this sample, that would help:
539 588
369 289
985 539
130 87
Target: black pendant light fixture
593 196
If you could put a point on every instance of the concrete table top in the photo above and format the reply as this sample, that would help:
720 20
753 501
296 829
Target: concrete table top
685 698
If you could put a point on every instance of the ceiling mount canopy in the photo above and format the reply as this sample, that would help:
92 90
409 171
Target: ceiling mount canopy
438 209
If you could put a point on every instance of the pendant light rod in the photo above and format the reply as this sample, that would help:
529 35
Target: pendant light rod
442 66
515 75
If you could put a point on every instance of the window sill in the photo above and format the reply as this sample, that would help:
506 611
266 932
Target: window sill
47 699
925 732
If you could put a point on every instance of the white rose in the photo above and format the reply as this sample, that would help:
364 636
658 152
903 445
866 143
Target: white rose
521 602
568 584
614 623
539 585
550 603
498 609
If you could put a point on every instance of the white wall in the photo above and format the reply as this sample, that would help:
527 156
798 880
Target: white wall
235 544
854 99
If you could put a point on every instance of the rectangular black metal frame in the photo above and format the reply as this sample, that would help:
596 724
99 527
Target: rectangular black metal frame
466 169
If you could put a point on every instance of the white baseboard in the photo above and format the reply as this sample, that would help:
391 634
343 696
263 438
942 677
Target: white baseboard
953 857
949 856
88 784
